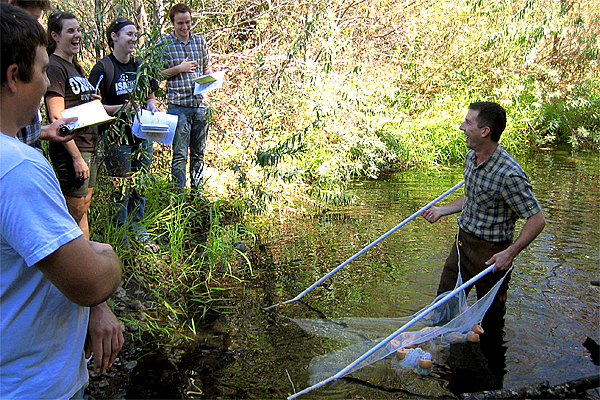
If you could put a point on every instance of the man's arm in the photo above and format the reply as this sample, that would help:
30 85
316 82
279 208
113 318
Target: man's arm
51 133
86 272
185 66
432 214
532 228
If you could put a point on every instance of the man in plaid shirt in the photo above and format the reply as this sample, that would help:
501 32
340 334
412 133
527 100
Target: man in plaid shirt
186 58
497 193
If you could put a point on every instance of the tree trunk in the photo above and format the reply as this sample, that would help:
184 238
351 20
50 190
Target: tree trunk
142 19
98 11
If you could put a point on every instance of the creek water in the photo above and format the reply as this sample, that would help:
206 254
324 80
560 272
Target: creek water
552 307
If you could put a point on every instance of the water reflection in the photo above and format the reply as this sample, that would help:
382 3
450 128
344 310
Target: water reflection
551 305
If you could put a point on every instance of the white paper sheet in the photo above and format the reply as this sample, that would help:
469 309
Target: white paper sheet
158 127
88 114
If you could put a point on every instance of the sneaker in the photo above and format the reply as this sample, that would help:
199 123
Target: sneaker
140 234
142 237
151 246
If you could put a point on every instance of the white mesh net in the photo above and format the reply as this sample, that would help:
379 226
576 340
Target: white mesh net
452 322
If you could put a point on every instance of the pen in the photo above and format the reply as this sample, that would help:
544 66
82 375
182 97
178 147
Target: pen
98 83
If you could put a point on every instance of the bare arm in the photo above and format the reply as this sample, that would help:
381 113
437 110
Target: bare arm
115 109
56 104
532 228
50 132
86 272
432 214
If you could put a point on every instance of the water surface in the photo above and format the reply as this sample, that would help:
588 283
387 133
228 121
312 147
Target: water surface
552 307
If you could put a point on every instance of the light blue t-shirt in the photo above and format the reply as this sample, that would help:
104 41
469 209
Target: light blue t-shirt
42 333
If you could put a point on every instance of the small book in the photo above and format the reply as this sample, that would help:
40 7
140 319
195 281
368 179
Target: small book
205 79
209 82
88 114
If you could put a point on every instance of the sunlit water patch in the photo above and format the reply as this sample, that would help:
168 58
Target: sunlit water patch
552 307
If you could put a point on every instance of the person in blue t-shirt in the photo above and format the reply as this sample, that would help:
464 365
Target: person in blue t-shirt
51 276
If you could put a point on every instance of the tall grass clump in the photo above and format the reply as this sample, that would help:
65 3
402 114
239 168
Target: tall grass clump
191 259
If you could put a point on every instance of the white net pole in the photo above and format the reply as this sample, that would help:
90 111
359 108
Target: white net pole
384 342
348 261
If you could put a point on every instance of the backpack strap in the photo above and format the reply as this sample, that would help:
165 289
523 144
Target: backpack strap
109 74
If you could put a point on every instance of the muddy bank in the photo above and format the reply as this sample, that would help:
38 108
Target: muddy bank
143 371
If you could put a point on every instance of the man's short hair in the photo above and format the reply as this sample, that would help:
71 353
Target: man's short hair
43 5
20 35
492 115
178 8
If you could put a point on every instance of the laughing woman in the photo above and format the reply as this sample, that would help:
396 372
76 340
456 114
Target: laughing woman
73 161
75 166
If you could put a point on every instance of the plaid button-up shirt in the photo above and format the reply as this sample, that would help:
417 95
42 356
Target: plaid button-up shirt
180 88
30 134
497 192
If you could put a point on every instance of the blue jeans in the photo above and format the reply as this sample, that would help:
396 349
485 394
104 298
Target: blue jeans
191 133
122 161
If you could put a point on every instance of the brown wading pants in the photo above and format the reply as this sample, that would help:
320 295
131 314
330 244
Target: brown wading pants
474 252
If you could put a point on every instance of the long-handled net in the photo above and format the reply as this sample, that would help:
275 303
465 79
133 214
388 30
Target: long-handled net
449 319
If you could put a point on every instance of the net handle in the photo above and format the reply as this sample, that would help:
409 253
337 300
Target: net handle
385 341
348 261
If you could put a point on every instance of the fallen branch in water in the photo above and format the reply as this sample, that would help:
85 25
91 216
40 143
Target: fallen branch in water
569 389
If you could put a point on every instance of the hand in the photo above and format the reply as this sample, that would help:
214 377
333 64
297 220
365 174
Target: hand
105 337
151 106
96 96
503 260
50 132
188 66
432 214
100 247
82 169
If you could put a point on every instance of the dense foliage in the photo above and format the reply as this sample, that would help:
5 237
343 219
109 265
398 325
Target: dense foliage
364 87
318 93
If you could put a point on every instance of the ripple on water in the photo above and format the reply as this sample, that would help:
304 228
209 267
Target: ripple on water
551 307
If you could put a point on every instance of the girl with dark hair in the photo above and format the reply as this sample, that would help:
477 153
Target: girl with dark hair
121 82
74 161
